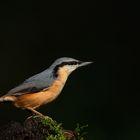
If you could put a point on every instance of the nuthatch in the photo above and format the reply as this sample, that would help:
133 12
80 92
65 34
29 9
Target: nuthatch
44 87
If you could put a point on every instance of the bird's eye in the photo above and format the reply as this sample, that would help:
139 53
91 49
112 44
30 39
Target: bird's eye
73 63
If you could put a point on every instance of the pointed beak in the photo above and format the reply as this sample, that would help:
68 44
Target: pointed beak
84 63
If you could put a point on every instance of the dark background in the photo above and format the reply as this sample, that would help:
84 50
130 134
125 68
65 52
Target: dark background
104 95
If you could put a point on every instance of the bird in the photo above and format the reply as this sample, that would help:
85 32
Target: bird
43 87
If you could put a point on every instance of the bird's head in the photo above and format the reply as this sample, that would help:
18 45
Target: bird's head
68 64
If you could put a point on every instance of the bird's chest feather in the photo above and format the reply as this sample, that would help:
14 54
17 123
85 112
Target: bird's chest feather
58 84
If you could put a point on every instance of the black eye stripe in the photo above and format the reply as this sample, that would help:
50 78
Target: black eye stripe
65 63
73 63
68 63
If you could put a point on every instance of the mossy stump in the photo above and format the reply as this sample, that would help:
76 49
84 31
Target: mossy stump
36 128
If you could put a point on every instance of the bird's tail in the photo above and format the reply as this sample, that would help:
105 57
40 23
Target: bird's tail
7 98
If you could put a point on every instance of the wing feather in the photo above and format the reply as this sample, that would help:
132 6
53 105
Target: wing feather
33 84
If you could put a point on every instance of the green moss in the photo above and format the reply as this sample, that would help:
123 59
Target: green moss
55 130
79 131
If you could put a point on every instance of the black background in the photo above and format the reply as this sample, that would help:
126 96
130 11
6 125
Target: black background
104 95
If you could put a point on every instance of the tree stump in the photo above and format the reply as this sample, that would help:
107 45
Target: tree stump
36 128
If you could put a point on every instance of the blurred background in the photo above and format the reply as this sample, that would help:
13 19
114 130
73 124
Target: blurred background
104 95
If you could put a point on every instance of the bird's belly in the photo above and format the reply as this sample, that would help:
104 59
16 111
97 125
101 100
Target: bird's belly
35 100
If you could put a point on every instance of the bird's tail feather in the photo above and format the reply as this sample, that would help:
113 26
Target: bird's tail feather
7 98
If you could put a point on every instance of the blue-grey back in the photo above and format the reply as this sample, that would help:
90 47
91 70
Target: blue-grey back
34 84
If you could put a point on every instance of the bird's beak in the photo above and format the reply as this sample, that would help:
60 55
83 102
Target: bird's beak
84 63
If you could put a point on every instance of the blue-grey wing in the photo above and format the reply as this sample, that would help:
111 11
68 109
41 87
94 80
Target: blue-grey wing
34 84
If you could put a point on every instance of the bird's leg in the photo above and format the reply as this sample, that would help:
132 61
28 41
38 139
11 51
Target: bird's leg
34 111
